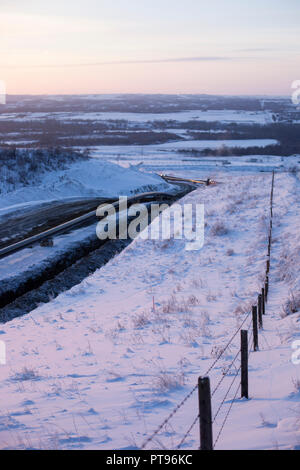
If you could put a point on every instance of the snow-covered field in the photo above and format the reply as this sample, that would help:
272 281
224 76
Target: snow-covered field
102 365
183 145
181 164
258 117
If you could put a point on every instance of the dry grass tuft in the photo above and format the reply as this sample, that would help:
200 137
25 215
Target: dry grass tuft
219 229
296 384
166 382
193 300
191 335
25 374
292 305
140 320
173 305
230 252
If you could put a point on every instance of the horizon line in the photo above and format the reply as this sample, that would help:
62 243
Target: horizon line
154 93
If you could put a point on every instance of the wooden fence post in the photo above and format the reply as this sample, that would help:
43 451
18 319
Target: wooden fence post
259 305
244 364
266 288
255 329
263 300
206 434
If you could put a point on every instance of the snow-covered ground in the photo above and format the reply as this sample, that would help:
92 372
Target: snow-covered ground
88 178
103 364
181 163
257 117
183 145
112 171
22 260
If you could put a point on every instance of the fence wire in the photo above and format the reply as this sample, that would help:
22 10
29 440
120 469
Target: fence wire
188 431
225 373
250 348
226 395
174 411
226 417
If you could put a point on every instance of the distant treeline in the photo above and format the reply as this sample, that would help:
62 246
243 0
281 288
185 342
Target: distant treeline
49 156
283 132
136 138
224 151
52 132
138 103
20 167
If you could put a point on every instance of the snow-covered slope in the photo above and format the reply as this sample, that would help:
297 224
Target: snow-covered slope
89 178
102 365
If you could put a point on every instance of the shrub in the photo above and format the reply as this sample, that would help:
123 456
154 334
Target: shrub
292 305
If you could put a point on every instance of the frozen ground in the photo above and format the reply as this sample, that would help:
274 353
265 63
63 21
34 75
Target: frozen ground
182 145
89 178
209 167
18 262
102 365
166 160
258 117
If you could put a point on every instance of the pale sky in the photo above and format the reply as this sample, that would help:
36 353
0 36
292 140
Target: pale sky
150 46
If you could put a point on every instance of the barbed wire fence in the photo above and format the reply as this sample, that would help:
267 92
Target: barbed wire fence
238 368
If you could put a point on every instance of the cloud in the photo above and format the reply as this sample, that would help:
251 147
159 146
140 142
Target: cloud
127 62
257 49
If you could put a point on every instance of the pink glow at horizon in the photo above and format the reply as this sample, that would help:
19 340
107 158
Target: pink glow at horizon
198 47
